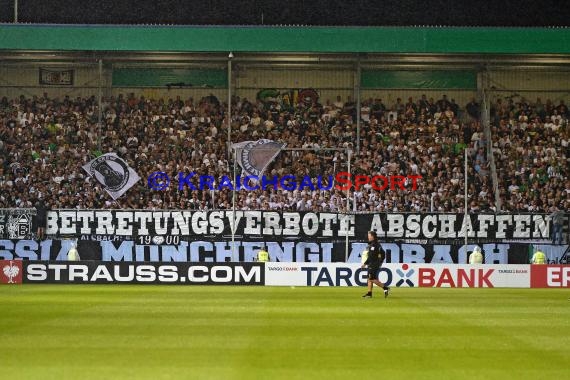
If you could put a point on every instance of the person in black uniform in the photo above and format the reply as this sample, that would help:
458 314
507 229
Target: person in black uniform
376 256
41 218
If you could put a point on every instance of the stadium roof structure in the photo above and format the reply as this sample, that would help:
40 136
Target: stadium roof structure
285 39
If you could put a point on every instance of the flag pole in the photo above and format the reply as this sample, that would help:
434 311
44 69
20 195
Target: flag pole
235 256
234 209
229 116
466 215
100 106
229 113
347 210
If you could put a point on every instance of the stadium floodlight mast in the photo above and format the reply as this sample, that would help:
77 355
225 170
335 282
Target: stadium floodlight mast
348 150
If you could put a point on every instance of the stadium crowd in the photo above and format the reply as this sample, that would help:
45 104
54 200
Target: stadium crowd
45 142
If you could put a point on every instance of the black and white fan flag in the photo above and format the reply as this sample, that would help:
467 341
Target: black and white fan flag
255 156
113 173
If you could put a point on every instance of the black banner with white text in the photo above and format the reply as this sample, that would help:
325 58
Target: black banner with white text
145 227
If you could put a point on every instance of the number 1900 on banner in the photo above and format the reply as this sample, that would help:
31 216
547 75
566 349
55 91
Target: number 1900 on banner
169 240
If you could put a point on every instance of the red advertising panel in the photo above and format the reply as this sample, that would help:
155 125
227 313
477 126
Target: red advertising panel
10 271
550 276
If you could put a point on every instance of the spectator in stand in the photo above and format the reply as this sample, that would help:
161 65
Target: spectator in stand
557 218
41 219
473 109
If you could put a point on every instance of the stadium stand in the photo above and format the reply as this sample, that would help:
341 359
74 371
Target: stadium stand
530 141
44 142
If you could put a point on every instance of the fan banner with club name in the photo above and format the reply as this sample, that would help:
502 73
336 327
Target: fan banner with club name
113 173
220 250
17 223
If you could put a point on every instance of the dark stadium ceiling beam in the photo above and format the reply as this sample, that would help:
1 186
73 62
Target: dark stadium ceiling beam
289 60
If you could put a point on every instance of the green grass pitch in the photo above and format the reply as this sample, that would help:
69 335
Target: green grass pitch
196 332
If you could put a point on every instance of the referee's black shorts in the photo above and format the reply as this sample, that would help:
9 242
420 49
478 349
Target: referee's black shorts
373 272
